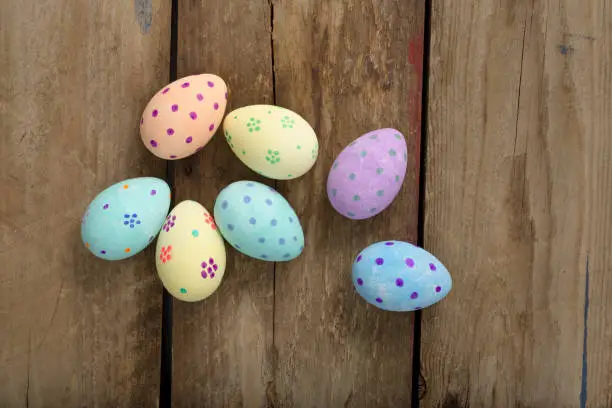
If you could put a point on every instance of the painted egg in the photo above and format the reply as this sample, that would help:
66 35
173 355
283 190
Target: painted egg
259 222
272 141
125 218
367 175
183 116
399 277
190 253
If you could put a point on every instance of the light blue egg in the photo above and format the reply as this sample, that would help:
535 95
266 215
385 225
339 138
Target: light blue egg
125 218
400 277
258 221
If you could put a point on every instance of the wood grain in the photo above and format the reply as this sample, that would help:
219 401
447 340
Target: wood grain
517 204
74 78
348 67
223 345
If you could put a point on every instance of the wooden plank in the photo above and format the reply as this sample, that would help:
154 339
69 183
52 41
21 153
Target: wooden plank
74 78
517 204
222 346
348 67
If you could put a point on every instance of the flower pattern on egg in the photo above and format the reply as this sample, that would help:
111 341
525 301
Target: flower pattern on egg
165 255
209 268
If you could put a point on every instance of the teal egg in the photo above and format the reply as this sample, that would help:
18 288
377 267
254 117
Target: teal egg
400 277
259 222
125 218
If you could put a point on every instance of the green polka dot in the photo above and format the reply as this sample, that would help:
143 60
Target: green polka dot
299 147
195 233
392 152
356 198
397 179
352 176
363 153
373 209
379 170
380 193
353 143
335 165
334 191
243 151
235 117
350 214
405 157
183 291
398 136
373 137
269 112
289 175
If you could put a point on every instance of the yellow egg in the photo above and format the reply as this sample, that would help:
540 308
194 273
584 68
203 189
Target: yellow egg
183 116
190 254
272 141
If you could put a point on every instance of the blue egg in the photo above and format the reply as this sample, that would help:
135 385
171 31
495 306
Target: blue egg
400 277
259 222
125 218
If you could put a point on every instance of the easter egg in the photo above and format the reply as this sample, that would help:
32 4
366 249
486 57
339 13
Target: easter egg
125 218
272 141
182 117
398 276
367 175
259 222
190 253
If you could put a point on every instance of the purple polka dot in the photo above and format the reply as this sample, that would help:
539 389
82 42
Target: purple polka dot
200 97
417 308
141 121
211 261
432 267
105 206
153 143
359 281
204 264
165 90
185 85
174 108
193 115
204 275
170 131
410 262
438 288
215 267
189 139
153 192
414 295
378 300
172 156
399 282
388 243
211 127
216 106
380 261
154 113
359 258
209 269
102 252
226 96
210 84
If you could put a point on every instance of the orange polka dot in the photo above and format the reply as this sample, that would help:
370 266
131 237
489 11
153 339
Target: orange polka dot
127 250
87 244
125 186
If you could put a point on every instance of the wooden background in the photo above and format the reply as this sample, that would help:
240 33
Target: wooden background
517 178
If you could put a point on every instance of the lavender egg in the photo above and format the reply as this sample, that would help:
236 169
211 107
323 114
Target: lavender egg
367 175
400 277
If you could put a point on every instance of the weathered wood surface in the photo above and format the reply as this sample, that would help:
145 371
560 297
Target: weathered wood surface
518 204
348 67
223 345
74 78
309 341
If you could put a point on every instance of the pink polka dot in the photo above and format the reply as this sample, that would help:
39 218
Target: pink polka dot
216 106
210 84
200 97
174 108
154 113
185 85
193 115
166 90
170 131
211 127
189 139
153 143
